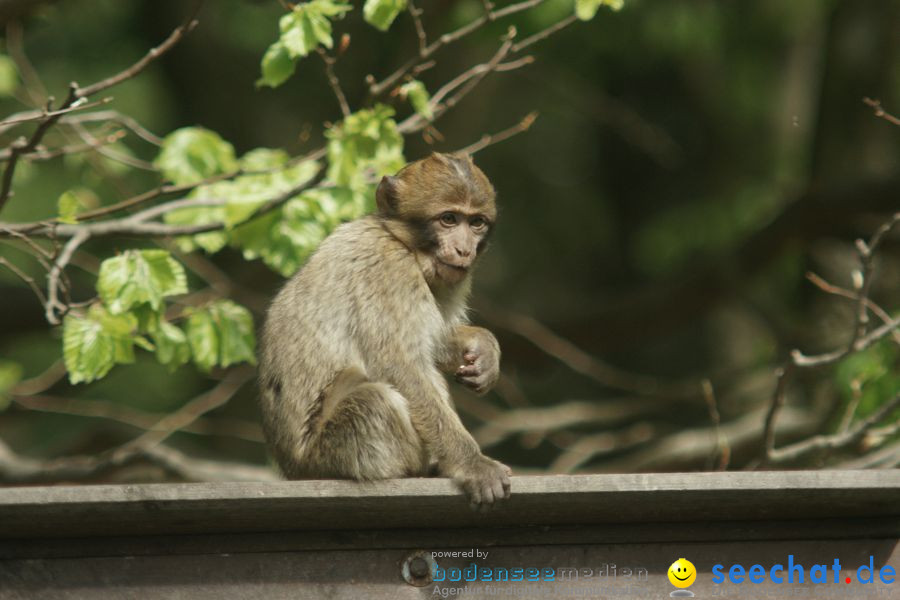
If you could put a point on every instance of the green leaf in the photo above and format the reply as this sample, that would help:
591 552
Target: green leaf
9 76
366 144
10 375
93 343
277 66
75 201
211 241
302 30
586 9
221 334
172 348
192 154
381 13
139 276
418 96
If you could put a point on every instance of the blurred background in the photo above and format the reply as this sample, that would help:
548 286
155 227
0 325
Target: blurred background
691 162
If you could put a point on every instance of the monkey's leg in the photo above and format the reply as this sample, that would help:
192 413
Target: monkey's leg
365 432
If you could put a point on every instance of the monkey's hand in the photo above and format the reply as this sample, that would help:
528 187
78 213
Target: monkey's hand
480 355
484 480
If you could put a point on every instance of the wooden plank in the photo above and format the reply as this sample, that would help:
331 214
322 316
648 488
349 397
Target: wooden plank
580 571
85 511
485 537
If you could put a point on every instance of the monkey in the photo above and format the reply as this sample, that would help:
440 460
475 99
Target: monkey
356 345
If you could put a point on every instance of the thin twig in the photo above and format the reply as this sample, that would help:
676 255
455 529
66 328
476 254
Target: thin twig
837 441
190 412
782 375
378 88
94 144
416 14
830 288
153 54
724 450
41 382
38 115
495 138
334 82
866 256
56 271
115 117
77 96
15 46
544 34
850 412
582 362
880 112
15 468
119 413
26 278
137 224
860 340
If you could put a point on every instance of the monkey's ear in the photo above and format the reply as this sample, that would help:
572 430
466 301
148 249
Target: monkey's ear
386 195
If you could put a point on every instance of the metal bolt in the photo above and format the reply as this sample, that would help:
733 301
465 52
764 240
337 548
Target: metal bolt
417 568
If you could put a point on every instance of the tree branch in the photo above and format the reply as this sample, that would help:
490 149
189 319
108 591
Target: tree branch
378 88
77 97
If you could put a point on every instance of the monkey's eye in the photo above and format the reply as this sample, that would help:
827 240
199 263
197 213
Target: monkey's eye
478 222
449 219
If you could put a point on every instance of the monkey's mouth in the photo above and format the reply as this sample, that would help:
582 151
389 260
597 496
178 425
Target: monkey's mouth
460 268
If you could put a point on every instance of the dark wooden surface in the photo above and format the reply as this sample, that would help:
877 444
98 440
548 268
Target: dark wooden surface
339 539
436 504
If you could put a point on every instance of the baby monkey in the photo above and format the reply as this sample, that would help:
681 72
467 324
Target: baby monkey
355 345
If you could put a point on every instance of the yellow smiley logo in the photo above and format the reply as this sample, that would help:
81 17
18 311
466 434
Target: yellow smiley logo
682 573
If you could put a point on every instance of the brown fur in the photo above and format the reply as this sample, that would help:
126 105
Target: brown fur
354 345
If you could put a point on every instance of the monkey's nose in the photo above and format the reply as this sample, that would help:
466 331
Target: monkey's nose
464 252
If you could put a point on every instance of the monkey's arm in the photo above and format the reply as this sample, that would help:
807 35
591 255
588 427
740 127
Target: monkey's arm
458 456
472 356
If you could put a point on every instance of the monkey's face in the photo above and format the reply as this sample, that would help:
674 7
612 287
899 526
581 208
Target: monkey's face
443 207
458 237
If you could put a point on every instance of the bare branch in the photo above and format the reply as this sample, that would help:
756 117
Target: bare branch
837 441
830 288
416 14
782 376
544 34
495 138
93 144
724 450
880 112
378 88
56 272
582 362
26 278
586 448
39 115
77 96
137 224
821 360
15 45
41 382
866 255
114 117
117 412
15 468
501 425
188 413
153 54
334 82
858 342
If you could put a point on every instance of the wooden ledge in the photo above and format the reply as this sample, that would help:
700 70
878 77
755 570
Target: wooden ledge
192 508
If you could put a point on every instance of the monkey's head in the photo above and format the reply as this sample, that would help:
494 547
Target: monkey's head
443 207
